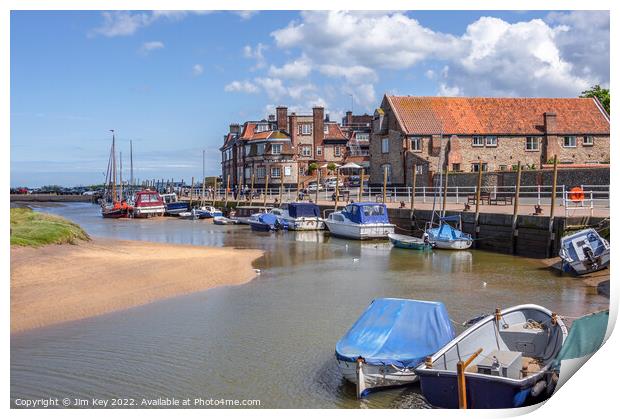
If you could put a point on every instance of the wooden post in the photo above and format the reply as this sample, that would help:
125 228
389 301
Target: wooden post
281 184
461 366
204 182
266 187
413 179
361 185
554 187
385 169
226 191
336 192
214 189
515 211
478 187
191 194
318 182
251 189
445 195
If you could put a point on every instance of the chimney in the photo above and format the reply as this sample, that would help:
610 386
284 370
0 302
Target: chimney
293 128
551 144
349 118
550 122
271 118
281 112
317 126
235 128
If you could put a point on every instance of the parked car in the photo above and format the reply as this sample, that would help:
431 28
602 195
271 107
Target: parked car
312 187
330 183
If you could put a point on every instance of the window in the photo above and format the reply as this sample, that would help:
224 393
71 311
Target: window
305 129
475 167
385 145
477 141
260 149
588 140
275 172
386 168
248 149
287 170
276 148
362 136
302 170
491 141
503 167
456 167
570 141
532 143
337 151
416 144
262 127
306 151
319 151
325 129
260 172
419 169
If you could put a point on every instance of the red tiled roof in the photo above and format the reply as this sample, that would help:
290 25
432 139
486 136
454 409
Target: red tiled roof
334 132
478 115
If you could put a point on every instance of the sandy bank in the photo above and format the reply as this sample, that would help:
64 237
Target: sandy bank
58 283
594 279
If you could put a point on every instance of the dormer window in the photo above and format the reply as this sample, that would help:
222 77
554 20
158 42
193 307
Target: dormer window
276 148
262 127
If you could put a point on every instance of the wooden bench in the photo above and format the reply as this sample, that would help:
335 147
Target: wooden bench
503 198
484 196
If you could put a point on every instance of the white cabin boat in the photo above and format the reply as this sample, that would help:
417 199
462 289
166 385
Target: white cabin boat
584 252
360 220
300 216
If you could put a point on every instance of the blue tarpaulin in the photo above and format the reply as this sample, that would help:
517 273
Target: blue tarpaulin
303 209
267 218
366 213
447 233
394 331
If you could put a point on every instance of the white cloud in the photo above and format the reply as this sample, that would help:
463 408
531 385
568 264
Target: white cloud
245 14
356 74
197 69
151 46
124 23
256 54
273 87
297 69
445 90
241 86
430 74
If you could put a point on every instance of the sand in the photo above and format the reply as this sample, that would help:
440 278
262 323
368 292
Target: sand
58 283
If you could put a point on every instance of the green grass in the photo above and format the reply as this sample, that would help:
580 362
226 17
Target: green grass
30 228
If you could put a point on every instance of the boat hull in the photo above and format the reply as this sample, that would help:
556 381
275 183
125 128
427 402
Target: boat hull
115 213
306 224
453 244
359 231
145 212
581 268
376 376
408 243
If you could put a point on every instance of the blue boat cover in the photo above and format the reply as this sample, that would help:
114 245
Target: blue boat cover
366 213
450 218
267 218
303 209
447 233
394 331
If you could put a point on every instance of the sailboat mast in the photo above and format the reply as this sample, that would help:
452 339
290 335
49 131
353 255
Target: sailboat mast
121 174
114 197
131 166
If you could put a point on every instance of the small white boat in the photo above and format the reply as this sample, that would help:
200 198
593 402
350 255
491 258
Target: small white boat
409 242
243 214
513 353
584 252
220 220
360 220
210 212
447 237
300 216
389 340
173 205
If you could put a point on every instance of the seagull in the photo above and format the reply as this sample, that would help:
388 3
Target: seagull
257 271
356 259
484 284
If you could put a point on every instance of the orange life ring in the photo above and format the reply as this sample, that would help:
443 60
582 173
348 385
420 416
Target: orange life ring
576 194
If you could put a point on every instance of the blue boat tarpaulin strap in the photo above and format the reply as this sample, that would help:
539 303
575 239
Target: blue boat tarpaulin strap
304 209
585 337
366 213
397 332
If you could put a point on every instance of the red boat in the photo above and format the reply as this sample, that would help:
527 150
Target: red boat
147 203
116 210
112 204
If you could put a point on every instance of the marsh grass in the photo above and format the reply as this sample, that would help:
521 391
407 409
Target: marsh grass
30 228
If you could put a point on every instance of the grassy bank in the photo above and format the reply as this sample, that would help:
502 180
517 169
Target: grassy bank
30 228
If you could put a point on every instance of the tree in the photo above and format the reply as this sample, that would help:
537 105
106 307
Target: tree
331 166
312 167
601 94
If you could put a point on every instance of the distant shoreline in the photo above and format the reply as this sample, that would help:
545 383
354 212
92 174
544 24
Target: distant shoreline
59 283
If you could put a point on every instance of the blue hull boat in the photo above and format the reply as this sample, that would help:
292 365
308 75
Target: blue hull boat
266 222
513 368
408 242
389 340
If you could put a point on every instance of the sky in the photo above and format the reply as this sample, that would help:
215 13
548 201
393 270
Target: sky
172 82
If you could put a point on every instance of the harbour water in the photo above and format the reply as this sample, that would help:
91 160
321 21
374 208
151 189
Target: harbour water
273 338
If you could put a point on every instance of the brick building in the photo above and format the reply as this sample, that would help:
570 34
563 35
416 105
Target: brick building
284 145
488 134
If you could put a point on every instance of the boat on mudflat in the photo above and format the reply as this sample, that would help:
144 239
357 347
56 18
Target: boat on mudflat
300 216
390 339
242 214
584 252
513 353
446 236
219 220
173 205
147 204
210 212
409 242
360 220
266 222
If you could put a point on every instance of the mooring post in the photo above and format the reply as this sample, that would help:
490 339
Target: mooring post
214 189
337 190
204 185
554 185
281 185
191 194
361 185
251 189
478 187
266 186
445 194
385 169
226 191
413 179
515 211
318 182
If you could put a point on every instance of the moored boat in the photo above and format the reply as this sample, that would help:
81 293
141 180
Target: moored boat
515 350
265 222
360 220
219 220
446 236
173 205
409 242
242 214
584 252
210 212
389 340
147 203
300 216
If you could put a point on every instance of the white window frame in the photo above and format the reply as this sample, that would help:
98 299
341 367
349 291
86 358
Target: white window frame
306 151
490 141
248 149
588 140
569 137
337 151
276 172
262 127
532 143
325 128
287 170
319 151
385 145
305 129
416 144
477 141
485 167
362 136
389 172
260 172
276 149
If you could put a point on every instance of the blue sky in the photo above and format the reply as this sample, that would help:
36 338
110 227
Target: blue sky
173 81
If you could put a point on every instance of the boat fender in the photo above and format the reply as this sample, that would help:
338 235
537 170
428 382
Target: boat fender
538 388
361 380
